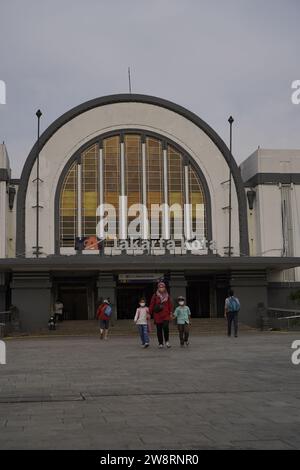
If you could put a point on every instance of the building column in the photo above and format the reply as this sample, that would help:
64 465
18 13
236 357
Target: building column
3 290
221 292
251 287
177 285
31 295
106 287
213 298
3 218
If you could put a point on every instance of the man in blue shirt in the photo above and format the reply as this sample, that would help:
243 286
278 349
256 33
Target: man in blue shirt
232 308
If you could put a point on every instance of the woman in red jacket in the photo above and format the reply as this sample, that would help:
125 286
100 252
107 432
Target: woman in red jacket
161 310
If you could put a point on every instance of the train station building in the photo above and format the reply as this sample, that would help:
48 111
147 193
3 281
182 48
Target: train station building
125 189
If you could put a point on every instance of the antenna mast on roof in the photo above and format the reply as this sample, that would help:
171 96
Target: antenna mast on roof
129 80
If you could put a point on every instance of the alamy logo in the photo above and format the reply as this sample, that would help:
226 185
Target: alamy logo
296 354
296 94
2 92
2 353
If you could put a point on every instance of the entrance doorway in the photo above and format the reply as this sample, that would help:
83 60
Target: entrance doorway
78 295
197 296
128 295
75 301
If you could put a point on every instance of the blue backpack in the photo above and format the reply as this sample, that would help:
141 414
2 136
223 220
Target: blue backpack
108 311
233 304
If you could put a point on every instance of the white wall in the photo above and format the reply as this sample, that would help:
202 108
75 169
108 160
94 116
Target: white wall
271 161
81 129
265 221
3 225
270 222
296 223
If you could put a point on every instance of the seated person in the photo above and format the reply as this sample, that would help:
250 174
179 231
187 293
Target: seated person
52 323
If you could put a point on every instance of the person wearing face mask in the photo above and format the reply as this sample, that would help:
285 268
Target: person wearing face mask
142 320
182 315
161 310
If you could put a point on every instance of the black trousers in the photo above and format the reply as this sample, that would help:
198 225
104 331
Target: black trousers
162 330
183 333
232 317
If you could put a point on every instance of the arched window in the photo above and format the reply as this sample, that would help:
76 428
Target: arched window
147 170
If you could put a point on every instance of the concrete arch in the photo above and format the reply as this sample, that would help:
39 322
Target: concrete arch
123 98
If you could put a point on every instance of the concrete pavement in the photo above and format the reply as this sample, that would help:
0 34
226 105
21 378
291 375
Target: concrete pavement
83 393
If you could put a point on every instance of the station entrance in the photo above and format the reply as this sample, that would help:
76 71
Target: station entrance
128 295
78 296
130 290
75 302
205 295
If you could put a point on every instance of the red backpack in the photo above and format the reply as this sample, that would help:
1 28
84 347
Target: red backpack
100 311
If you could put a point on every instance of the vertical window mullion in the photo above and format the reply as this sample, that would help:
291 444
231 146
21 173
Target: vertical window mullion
79 199
187 212
144 175
101 175
144 191
123 212
166 224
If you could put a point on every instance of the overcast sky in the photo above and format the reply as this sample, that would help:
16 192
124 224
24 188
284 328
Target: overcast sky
214 57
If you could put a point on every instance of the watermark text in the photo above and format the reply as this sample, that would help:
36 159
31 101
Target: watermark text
296 94
296 354
2 353
2 92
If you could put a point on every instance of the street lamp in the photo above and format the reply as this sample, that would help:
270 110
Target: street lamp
37 247
230 120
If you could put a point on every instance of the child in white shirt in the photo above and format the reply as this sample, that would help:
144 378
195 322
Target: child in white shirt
142 320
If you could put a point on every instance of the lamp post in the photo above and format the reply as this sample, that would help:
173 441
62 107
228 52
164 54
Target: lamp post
37 252
230 120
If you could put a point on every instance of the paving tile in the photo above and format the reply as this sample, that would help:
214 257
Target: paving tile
219 394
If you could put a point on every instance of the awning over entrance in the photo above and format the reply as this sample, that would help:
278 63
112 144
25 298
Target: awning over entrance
127 263
34 284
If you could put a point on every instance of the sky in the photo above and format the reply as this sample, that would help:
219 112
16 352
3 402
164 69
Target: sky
216 58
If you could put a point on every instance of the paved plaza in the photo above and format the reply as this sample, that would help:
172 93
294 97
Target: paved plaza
83 393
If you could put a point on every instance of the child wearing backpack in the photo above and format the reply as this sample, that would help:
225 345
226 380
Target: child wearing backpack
103 315
232 308
142 320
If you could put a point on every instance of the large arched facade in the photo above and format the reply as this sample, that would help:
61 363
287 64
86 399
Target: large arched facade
77 128
124 150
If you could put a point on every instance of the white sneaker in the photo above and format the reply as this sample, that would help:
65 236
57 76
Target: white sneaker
160 346
168 345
